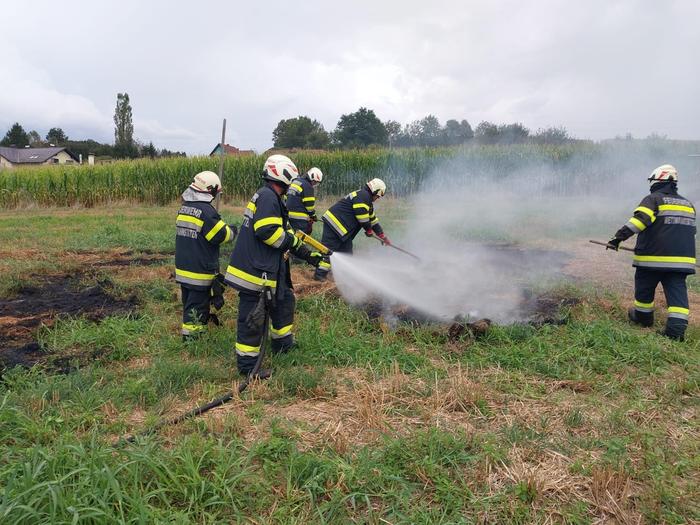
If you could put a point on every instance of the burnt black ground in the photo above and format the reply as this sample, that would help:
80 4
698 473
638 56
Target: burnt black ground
40 303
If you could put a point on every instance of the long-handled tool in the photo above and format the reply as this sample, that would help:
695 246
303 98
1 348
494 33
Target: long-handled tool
601 243
620 247
265 299
392 245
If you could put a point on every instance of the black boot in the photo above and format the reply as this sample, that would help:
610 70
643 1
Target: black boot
675 329
645 319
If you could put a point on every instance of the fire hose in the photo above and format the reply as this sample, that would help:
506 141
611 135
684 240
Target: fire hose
261 312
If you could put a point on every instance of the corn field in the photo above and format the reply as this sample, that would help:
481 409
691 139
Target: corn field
404 170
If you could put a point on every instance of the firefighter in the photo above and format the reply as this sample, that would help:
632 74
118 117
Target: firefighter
199 233
301 200
343 221
259 261
664 253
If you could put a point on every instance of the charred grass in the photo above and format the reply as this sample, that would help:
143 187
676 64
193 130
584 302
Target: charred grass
586 421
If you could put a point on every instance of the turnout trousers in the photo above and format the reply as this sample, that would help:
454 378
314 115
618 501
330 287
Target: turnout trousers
676 292
330 240
196 306
248 340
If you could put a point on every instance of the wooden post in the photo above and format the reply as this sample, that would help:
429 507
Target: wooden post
221 159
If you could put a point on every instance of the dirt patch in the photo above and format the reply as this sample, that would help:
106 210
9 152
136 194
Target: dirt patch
98 259
40 303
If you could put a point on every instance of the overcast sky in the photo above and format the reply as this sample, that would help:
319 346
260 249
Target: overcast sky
599 68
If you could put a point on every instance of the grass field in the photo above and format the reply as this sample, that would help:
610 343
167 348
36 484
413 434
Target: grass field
591 421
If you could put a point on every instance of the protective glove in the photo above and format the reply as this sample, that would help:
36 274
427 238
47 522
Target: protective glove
369 233
296 241
315 258
313 218
385 240
613 244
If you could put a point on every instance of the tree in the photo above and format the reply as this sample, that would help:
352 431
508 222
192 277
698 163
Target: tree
34 139
512 133
551 135
149 151
427 131
393 131
300 132
359 129
486 132
124 145
15 136
57 137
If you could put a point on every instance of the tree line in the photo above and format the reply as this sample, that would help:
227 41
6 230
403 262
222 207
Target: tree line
125 145
363 128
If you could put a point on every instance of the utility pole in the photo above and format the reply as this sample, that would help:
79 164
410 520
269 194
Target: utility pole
221 158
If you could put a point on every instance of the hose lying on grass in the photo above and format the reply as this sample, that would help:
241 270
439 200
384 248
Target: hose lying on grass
261 313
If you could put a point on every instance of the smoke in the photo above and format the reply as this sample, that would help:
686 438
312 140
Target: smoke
486 236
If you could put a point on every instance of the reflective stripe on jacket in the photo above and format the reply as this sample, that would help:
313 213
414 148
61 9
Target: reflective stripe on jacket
352 213
665 224
199 232
301 199
257 257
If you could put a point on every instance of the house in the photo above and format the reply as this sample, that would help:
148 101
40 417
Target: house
230 150
12 157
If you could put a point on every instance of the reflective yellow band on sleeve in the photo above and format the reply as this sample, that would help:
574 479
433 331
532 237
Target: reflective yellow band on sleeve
296 187
678 310
363 217
648 211
229 234
336 222
189 218
639 224
361 205
273 240
308 199
209 236
252 207
267 221
298 215
675 207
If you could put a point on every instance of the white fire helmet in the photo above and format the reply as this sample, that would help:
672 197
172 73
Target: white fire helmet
207 182
280 169
315 175
663 173
377 187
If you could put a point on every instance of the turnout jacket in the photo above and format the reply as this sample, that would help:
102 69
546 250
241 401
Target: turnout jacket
665 222
258 260
199 232
301 199
351 213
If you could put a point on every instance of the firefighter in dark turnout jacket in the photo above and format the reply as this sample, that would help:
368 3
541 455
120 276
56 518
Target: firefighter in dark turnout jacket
664 253
344 220
301 200
199 232
259 260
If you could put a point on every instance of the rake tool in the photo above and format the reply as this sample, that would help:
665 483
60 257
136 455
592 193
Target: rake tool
621 248
392 245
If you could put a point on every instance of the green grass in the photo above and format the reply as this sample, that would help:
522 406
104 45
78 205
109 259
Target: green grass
357 426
